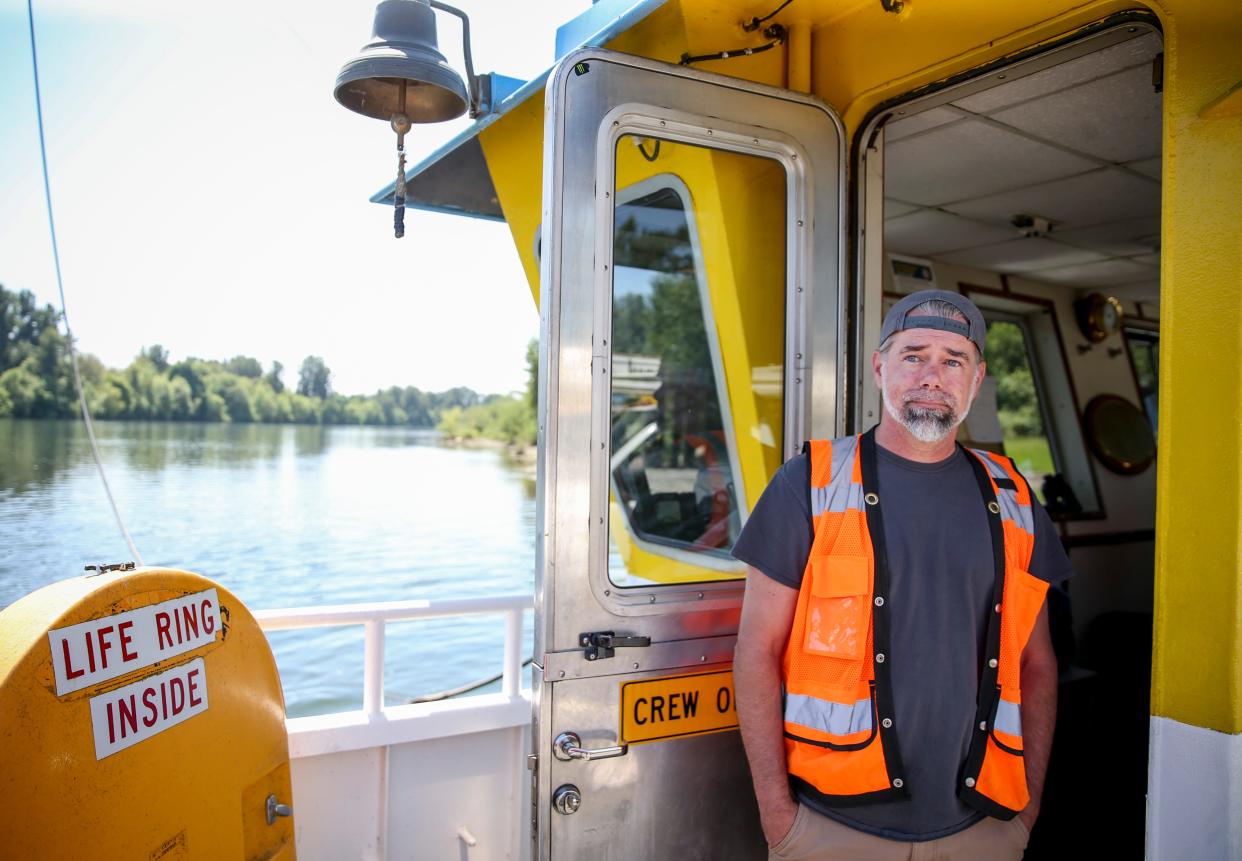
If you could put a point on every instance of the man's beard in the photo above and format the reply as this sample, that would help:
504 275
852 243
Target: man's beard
926 424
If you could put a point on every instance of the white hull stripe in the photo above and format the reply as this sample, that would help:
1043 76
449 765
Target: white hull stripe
1194 806
827 716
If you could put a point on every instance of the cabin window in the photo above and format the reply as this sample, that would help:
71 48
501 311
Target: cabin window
1144 347
1031 404
677 498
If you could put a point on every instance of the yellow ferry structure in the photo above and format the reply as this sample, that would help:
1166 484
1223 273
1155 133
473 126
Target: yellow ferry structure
714 202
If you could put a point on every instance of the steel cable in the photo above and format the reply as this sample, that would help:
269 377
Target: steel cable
60 286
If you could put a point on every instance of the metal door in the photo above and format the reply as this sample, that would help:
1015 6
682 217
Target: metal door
692 249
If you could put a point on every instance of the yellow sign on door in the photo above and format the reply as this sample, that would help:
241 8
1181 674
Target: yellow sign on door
657 709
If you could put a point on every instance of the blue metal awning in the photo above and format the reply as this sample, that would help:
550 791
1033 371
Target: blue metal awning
455 178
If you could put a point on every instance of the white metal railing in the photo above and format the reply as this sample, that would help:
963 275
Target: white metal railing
374 616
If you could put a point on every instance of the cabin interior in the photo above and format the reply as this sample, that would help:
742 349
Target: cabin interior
1036 191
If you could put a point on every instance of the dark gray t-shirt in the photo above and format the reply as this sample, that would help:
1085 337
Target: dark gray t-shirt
941 569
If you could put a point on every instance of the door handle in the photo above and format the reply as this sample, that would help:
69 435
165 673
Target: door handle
568 745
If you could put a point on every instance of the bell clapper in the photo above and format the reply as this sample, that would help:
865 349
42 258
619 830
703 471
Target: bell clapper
400 124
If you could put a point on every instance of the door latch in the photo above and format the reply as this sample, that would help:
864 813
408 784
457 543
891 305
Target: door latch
604 644
274 808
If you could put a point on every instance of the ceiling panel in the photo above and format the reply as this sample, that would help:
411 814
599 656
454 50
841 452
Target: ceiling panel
1104 273
1116 118
1142 291
930 232
1147 167
896 129
1132 236
894 208
969 159
1093 65
1021 255
1092 198
978 175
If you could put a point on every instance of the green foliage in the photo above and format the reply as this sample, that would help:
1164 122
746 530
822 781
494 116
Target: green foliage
505 418
314 378
532 374
244 366
157 355
25 391
22 321
36 382
1016 400
273 378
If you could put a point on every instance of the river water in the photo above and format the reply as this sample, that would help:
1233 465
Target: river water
286 517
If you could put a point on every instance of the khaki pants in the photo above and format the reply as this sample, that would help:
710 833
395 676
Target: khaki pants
817 838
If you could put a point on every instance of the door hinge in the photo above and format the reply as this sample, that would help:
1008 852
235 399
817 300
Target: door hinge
604 644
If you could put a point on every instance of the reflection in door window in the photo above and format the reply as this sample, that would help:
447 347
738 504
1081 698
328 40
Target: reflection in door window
672 469
697 345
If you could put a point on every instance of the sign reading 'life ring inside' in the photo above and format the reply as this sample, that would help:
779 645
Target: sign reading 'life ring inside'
98 650
85 654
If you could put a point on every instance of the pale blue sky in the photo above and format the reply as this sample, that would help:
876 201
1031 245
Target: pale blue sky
211 195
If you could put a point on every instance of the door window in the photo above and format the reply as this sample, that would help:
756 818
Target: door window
677 498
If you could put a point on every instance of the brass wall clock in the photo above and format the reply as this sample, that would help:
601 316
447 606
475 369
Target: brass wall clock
1098 316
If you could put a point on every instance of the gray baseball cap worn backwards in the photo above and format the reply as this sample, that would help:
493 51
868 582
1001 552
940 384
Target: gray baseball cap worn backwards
899 318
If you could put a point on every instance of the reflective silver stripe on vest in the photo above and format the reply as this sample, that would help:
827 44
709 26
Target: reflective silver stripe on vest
841 494
827 716
836 499
1012 510
1008 718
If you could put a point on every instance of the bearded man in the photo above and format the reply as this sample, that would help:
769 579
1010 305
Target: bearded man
896 683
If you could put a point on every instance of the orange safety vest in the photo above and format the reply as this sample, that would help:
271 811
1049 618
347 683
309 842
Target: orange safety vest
841 741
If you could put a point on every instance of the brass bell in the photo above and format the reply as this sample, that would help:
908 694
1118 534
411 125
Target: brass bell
403 51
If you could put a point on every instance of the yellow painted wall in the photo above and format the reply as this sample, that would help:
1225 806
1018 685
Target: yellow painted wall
1198 662
513 148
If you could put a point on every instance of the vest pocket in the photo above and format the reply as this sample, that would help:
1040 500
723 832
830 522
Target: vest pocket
838 609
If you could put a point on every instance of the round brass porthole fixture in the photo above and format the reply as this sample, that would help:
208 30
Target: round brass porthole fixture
1119 434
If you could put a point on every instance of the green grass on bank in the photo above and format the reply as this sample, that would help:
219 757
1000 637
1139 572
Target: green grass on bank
1034 459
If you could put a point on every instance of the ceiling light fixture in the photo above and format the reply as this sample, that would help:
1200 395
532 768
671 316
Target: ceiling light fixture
1032 226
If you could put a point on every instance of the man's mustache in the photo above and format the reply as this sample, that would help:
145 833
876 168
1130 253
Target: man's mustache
929 396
